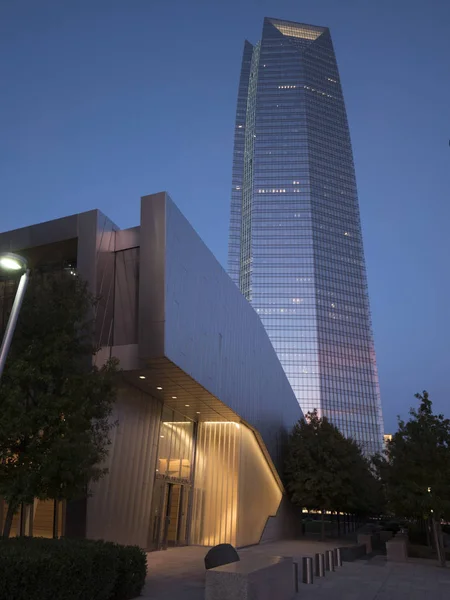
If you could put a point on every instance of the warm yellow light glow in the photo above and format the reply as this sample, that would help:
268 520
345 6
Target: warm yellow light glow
219 423
259 493
159 388
141 376
298 31
231 470
175 450
214 517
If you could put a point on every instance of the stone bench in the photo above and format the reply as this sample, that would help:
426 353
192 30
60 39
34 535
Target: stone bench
371 540
351 553
254 577
397 549
298 574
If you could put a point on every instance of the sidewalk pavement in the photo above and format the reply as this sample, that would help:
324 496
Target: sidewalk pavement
179 574
378 580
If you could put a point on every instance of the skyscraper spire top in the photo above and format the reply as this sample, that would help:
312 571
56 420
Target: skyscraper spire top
297 30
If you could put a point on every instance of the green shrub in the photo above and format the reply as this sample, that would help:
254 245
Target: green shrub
131 572
69 570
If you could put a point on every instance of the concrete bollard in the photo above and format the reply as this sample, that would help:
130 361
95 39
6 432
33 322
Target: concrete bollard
320 565
329 560
295 563
307 569
337 558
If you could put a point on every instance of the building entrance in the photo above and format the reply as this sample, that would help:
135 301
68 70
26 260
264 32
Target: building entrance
170 511
173 482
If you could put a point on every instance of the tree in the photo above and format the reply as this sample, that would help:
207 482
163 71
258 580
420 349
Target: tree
416 470
326 471
54 403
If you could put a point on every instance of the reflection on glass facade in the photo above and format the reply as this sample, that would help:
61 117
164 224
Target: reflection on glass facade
175 448
173 481
295 236
42 518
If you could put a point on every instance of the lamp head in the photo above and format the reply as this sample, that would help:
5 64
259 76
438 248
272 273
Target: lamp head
12 262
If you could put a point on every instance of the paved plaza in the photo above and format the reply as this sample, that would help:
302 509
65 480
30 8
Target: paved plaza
179 574
377 580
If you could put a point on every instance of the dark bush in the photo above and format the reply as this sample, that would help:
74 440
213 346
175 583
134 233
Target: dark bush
419 551
417 534
131 572
69 570
392 526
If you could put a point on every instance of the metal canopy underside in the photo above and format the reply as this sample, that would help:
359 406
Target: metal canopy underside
179 391
186 396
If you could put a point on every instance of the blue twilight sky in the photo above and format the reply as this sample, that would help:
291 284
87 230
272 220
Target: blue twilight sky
103 101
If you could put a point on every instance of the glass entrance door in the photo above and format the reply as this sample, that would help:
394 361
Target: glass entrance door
169 513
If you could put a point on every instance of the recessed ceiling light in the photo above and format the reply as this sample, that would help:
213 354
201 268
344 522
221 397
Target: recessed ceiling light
174 397
159 387
141 376
186 404
161 436
198 412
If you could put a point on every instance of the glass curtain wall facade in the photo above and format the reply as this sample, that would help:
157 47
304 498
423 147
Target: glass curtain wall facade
295 245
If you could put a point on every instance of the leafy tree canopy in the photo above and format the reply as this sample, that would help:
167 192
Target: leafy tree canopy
54 403
326 471
416 469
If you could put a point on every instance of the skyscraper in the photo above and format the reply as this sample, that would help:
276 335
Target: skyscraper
295 246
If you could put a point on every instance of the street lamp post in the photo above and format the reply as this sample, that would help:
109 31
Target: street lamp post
13 263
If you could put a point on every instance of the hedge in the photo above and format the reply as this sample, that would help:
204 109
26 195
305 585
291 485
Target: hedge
68 569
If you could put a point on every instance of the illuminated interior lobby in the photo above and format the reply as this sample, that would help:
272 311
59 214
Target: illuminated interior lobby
204 406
